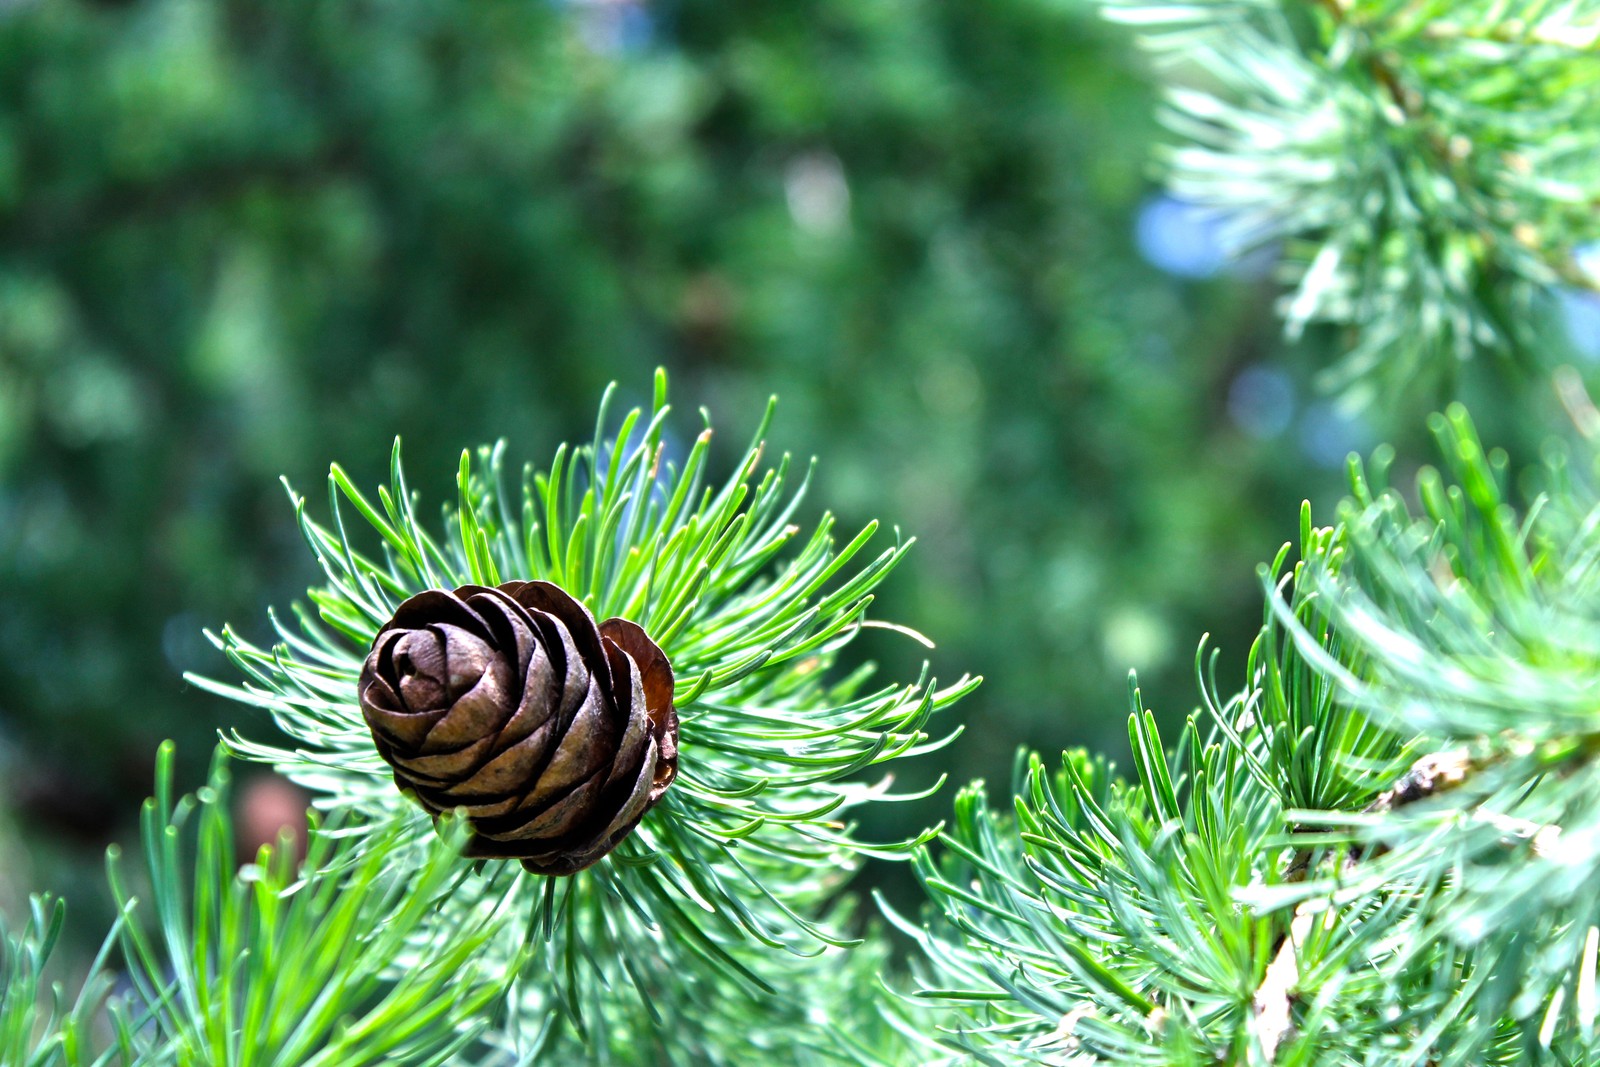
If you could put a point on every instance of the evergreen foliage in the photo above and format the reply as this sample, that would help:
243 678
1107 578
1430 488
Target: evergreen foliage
1428 168
1363 857
348 965
383 945
1381 849
1103 919
38 1027
239 240
1478 618
1375 852
1379 852
748 844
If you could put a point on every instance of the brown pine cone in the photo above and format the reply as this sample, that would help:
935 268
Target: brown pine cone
554 734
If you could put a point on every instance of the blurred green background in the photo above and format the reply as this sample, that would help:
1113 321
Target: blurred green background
242 239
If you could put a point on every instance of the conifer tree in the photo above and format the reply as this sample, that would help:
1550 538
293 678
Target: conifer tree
1376 852
1381 850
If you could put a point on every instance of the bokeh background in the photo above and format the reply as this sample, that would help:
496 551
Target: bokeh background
240 239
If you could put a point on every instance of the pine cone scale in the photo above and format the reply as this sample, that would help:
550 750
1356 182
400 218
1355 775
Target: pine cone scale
507 626
656 682
640 797
502 779
552 606
442 766
461 726
583 748
631 746
384 702
555 734
558 819
420 658
533 714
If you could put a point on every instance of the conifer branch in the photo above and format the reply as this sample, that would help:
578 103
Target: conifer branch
1391 831
744 853
1427 202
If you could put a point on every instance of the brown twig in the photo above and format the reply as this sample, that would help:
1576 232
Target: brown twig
1435 773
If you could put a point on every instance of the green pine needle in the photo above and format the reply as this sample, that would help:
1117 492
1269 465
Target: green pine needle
38 1028
341 963
753 837
1479 625
1427 168
1114 921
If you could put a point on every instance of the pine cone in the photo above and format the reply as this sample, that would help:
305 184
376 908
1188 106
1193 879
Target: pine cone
554 734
